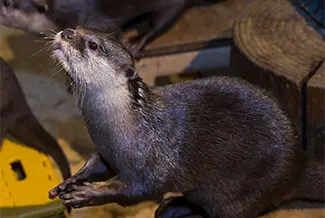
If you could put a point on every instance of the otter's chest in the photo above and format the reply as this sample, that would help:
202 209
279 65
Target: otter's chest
116 146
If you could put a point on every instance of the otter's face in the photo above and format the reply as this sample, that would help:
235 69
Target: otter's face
93 57
28 15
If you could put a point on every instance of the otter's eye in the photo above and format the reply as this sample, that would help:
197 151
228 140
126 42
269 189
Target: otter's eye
92 45
41 8
8 3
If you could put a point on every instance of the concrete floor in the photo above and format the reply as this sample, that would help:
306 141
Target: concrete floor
47 97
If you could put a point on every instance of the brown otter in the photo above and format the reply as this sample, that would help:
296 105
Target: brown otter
18 120
222 142
42 15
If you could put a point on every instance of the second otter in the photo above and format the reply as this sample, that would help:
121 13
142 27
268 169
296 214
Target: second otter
42 15
221 142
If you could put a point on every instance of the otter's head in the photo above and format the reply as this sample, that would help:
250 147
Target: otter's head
94 58
28 15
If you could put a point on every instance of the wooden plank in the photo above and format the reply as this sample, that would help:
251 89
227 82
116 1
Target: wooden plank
204 60
198 41
200 24
181 48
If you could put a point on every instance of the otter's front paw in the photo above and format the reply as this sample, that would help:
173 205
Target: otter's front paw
84 195
64 186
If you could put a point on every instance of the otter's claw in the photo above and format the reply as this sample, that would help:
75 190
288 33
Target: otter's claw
87 194
64 186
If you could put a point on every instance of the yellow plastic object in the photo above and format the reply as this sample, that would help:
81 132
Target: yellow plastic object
26 176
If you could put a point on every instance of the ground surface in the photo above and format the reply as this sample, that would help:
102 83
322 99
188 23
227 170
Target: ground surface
47 97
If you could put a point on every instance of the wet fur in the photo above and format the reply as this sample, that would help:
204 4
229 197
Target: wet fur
18 120
222 142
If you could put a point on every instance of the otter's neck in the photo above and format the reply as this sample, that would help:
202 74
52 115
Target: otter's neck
142 97
122 107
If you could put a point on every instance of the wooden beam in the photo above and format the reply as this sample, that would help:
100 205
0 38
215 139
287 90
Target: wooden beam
315 102
202 60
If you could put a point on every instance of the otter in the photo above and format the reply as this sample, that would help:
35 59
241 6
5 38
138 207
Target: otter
18 120
222 142
110 16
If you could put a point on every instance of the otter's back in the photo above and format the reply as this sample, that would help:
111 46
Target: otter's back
224 114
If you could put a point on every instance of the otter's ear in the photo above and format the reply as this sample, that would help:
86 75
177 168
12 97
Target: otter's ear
41 5
131 73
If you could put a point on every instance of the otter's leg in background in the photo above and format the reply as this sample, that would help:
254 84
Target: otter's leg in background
8 116
160 21
95 169
3 129
115 191
29 131
179 207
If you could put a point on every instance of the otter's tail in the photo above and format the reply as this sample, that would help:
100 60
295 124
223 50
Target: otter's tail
28 130
312 183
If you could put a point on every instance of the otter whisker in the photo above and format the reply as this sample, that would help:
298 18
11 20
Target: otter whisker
111 34
49 45
53 31
57 67
53 61
40 41
89 20
56 73
48 35
42 50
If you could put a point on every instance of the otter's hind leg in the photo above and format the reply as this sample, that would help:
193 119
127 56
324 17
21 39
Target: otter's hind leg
179 207
238 198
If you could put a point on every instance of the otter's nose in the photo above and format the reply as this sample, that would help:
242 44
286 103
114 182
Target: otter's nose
68 34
